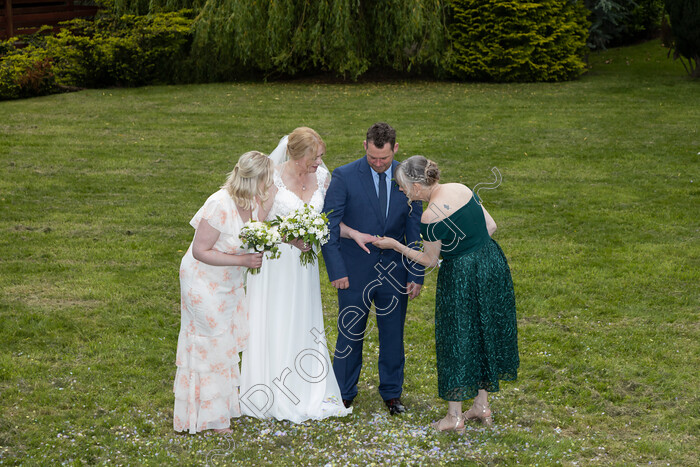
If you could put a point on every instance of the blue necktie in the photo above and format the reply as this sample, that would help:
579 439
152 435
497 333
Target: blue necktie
382 194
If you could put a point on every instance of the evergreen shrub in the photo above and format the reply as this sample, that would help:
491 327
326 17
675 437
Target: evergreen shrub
110 51
511 40
684 18
122 51
25 73
645 20
622 22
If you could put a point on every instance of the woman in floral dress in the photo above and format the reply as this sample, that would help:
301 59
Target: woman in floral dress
214 326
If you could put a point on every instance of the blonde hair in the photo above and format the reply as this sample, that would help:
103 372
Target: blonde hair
417 169
243 183
302 141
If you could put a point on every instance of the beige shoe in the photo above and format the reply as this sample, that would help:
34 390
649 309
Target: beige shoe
449 423
481 413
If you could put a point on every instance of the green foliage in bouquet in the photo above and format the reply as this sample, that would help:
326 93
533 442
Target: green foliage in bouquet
684 19
261 237
308 226
511 40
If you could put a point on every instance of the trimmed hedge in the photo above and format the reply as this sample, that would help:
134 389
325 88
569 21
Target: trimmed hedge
26 73
124 51
507 40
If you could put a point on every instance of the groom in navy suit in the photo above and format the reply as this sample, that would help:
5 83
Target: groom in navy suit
363 198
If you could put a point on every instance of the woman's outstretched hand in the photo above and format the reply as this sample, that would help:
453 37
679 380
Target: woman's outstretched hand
385 243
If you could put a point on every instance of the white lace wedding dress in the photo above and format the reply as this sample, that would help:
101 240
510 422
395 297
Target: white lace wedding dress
286 371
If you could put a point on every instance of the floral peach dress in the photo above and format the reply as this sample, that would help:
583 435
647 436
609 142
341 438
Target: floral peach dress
214 327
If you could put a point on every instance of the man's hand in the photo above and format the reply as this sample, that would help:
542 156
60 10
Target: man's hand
342 283
362 239
413 290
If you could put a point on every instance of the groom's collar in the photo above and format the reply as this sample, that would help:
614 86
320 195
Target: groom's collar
365 167
389 172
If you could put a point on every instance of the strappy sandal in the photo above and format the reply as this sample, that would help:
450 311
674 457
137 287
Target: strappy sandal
454 423
483 414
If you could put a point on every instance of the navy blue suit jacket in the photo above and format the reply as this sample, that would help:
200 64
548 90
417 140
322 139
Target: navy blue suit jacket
352 199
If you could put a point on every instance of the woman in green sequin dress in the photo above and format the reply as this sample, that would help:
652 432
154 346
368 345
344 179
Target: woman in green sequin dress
475 325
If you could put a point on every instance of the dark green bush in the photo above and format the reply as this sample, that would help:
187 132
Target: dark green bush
510 40
124 51
645 20
621 22
607 18
684 19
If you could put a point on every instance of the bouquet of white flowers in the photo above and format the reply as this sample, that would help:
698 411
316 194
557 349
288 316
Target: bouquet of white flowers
261 237
308 226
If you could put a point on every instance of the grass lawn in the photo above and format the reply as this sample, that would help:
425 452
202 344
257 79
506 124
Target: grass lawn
598 214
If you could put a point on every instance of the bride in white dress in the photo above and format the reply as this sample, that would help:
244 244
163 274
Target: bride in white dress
286 371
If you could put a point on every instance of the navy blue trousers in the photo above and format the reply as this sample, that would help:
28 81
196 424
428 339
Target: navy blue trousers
390 301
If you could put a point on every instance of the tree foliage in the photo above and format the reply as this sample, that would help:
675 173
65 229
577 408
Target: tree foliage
645 20
684 18
345 37
620 22
511 40
145 7
112 51
493 40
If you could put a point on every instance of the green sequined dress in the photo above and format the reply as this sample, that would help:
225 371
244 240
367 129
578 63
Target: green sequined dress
476 336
